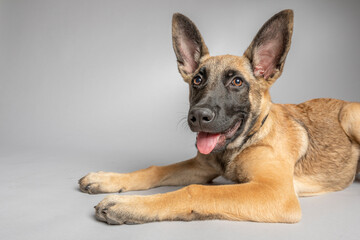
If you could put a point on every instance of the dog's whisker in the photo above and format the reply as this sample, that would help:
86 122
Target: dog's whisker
182 123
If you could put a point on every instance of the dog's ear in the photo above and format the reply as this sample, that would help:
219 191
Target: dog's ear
188 44
268 50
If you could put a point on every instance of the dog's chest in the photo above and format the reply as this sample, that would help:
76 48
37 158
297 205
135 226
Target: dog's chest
231 166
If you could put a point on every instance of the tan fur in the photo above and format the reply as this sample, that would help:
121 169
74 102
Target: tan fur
300 150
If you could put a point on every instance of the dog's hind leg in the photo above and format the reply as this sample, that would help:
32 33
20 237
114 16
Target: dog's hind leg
350 121
178 174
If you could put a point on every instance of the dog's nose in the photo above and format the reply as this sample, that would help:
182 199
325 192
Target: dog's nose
201 117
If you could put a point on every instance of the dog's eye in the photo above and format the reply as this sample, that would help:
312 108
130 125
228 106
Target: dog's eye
237 82
197 80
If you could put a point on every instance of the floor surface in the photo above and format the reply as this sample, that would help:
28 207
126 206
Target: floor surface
40 200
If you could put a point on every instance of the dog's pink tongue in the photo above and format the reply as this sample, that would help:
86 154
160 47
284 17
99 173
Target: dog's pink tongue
206 142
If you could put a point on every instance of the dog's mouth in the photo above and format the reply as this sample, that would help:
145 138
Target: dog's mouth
208 142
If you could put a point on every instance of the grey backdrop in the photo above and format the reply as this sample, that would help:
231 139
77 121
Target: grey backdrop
93 85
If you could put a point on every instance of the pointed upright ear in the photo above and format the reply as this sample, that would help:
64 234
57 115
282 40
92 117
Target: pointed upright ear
268 50
188 44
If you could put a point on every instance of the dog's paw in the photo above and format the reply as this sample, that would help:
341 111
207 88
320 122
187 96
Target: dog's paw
103 182
115 209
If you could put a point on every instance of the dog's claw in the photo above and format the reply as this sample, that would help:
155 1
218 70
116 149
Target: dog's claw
104 211
80 180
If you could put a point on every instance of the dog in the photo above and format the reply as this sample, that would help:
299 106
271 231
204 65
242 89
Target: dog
274 153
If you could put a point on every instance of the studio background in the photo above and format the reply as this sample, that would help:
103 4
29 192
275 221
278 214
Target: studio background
93 85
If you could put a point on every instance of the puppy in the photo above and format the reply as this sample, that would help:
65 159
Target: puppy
272 152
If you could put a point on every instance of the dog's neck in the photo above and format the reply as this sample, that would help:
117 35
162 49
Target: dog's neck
247 138
223 158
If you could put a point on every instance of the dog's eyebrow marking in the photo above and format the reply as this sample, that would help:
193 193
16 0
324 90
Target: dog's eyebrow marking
231 73
202 72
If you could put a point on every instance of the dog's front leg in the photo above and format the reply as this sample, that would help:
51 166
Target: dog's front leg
183 173
254 201
269 196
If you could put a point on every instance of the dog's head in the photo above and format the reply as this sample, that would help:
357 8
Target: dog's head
229 94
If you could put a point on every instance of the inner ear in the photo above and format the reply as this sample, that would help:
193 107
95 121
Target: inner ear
268 51
188 44
189 55
267 55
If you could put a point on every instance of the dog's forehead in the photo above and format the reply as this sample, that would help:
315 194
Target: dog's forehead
227 65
